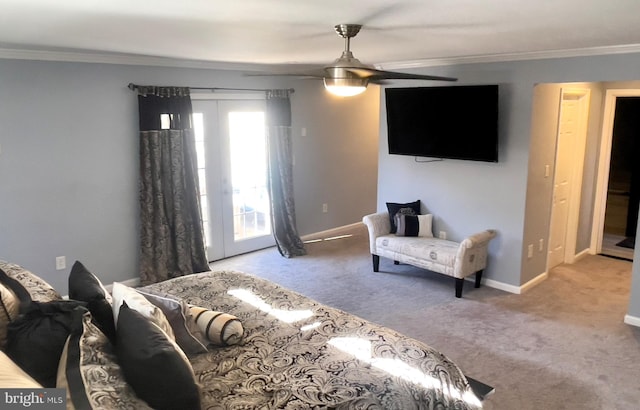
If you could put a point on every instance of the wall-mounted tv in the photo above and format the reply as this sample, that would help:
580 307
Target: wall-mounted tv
457 122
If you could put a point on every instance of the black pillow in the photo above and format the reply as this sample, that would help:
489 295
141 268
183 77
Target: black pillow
35 340
86 287
410 208
154 366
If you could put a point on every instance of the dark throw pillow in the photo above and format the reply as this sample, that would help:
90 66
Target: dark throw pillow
410 208
86 287
153 365
35 340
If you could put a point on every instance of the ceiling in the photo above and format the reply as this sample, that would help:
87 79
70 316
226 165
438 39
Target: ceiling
277 32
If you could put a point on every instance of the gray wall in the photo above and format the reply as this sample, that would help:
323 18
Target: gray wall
467 196
69 161
337 161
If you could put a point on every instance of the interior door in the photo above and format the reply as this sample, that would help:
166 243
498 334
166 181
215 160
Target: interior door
231 142
567 134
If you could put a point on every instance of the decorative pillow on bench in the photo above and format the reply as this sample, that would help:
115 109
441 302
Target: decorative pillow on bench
410 208
414 225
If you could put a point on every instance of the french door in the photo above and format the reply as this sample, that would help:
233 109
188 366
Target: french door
232 167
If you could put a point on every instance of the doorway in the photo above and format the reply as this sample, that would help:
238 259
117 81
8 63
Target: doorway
232 167
569 165
621 214
618 189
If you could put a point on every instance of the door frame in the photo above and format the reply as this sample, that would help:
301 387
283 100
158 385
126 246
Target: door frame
604 164
577 170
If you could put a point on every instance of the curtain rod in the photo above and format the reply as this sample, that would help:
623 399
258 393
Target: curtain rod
133 86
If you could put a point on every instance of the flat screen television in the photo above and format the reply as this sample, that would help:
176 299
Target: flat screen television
457 122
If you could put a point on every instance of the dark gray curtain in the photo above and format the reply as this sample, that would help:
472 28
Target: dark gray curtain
171 233
283 215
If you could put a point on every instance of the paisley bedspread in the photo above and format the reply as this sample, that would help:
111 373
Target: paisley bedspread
299 354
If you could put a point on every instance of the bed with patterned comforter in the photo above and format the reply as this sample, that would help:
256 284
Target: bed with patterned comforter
299 354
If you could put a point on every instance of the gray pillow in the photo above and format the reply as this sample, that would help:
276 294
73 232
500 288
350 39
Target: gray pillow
188 335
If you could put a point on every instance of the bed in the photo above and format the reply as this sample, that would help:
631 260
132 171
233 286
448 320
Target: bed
299 354
289 352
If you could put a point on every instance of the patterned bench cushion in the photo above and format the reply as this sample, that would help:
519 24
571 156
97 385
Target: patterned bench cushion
435 254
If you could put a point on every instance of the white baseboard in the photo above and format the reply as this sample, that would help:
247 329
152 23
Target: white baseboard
534 282
511 288
582 254
329 232
632 320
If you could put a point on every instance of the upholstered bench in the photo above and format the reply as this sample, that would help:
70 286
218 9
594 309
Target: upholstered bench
458 260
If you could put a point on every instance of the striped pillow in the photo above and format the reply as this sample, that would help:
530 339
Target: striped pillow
414 225
219 328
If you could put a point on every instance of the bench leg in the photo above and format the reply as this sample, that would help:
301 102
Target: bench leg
376 262
478 278
459 283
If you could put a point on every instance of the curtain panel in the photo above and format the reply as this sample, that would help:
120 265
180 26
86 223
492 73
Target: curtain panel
283 216
171 232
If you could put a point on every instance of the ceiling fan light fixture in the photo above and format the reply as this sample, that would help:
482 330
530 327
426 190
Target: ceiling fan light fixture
345 87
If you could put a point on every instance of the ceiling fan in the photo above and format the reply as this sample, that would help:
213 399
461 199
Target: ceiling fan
347 76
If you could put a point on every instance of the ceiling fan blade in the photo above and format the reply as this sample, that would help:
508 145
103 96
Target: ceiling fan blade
384 11
375 75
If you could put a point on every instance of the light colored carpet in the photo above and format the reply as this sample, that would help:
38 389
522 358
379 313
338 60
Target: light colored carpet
562 345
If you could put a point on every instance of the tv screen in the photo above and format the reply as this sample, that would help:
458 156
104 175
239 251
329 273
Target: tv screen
457 122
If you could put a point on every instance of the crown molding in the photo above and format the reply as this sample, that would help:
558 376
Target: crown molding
122 59
144 60
496 58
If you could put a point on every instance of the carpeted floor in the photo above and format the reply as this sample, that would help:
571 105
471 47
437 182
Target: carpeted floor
562 345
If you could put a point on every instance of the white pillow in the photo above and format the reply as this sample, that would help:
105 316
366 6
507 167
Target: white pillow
425 222
139 303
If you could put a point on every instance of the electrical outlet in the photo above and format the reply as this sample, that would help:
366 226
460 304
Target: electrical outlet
541 245
61 262
442 235
530 251
325 208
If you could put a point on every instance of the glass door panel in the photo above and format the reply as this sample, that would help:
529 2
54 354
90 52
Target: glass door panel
235 196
